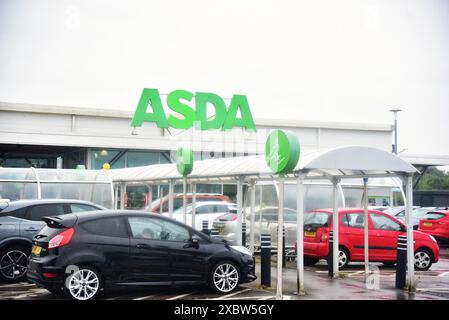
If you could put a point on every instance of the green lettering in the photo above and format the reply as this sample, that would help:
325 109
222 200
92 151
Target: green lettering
174 103
150 96
239 102
202 99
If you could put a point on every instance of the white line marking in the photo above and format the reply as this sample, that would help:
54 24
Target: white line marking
180 296
231 294
355 273
265 298
433 289
443 274
145 297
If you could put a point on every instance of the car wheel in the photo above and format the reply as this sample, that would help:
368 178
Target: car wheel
423 259
83 284
343 258
14 263
224 277
310 261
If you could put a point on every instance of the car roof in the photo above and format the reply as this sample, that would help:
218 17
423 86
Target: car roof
346 210
202 203
18 204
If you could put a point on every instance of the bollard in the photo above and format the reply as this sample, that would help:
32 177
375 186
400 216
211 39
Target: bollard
401 262
214 232
283 248
205 227
330 257
265 260
244 234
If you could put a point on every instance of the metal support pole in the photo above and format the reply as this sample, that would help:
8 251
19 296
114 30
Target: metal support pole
193 205
300 234
265 260
335 223
244 234
283 248
122 195
330 258
170 199
365 226
116 197
411 283
252 216
150 197
239 212
280 238
184 200
161 191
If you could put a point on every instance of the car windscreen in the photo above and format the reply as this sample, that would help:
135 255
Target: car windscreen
317 219
434 216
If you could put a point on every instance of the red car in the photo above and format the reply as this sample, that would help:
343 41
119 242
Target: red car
436 223
383 234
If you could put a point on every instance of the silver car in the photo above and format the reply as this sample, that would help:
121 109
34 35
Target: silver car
266 221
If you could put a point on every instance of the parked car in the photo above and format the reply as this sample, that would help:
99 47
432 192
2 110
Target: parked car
383 233
178 200
417 215
81 255
208 211
393 211
265 221
19 223
436 223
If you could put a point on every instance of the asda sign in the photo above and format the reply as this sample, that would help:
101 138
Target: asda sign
184 113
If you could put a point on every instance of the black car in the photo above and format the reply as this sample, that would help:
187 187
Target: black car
82 254
20 221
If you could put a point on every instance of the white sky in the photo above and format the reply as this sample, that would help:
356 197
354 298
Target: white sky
307 60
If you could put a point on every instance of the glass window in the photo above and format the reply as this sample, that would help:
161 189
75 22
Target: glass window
433 216
141 158
100 157
36 213
78 207
319 219
355 220
110 227
205 209
157 229
381 222
19 213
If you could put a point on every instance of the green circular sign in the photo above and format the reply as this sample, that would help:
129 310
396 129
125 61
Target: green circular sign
184 161
282 151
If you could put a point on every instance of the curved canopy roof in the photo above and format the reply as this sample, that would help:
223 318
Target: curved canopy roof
338 162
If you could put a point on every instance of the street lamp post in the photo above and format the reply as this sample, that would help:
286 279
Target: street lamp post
395 146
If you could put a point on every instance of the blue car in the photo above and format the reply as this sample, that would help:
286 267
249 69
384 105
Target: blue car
20 221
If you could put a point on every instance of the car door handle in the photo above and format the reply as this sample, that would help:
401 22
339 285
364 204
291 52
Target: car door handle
30 229
142 246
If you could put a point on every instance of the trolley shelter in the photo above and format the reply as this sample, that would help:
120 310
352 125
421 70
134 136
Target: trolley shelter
334 165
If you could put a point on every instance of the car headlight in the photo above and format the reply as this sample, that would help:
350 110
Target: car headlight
242 250
434 240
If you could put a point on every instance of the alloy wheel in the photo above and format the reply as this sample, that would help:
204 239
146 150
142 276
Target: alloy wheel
226 277
342 258
13 264
83 284
422 259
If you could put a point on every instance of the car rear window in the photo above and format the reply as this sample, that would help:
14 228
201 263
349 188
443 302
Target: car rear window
36 213
317 219
434 216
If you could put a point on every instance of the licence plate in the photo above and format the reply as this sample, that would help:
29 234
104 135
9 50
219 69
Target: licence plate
36 250
311 234
427 224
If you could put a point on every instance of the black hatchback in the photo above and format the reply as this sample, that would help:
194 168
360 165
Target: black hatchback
82 254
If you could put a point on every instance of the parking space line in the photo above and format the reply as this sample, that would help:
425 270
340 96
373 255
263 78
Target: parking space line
433 289
355 273
145 297
443 274
231 294
180 296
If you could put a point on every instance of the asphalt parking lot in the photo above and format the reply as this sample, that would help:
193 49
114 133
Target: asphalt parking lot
431 284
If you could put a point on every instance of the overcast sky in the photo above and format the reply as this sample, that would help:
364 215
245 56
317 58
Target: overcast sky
307 60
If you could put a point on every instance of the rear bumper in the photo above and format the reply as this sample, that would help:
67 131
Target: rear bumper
36 274
316 249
